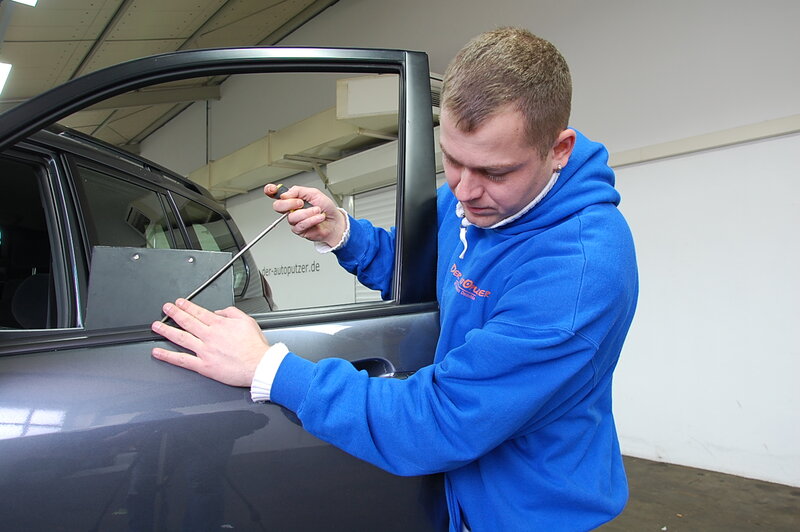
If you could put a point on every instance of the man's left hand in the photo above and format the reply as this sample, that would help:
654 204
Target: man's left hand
228 343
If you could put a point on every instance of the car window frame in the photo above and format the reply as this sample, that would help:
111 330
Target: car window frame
413 284
60 226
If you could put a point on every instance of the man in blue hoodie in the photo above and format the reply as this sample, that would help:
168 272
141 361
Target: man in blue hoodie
537 286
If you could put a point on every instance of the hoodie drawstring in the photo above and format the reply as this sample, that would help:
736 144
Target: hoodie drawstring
463 236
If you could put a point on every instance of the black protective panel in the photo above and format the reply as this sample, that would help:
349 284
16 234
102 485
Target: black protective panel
128 286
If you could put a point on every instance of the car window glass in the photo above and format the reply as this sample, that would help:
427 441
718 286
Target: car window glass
337 132
27 295
377 206
121 214
208 231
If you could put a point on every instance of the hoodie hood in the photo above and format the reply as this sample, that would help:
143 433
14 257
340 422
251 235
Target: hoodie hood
585 180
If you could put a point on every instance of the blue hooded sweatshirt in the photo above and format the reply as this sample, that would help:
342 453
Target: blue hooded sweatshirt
516 408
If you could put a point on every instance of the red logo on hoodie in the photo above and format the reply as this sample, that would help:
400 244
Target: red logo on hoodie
467 287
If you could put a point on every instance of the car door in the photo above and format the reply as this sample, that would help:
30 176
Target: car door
97 435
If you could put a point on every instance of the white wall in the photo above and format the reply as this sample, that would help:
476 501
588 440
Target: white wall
707 376
644 71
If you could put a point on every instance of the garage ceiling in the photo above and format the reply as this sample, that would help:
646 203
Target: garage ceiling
62 39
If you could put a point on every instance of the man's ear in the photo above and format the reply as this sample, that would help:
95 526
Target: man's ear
563 146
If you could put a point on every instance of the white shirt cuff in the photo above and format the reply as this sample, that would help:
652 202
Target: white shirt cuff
322 247
265 372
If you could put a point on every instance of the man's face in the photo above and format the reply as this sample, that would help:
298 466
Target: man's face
493 171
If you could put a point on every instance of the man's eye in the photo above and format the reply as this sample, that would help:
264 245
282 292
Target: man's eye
495 178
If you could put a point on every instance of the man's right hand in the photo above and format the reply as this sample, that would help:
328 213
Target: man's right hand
323 222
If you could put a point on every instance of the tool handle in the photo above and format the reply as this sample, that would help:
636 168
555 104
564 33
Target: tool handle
282 189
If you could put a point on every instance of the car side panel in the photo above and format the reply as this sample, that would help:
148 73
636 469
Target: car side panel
95 434
113 439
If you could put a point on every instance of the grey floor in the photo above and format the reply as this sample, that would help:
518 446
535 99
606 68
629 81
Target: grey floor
670 498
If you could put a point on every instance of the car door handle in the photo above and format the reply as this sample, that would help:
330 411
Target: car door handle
375 367
380 367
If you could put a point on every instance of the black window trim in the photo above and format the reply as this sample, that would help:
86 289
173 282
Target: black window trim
176 233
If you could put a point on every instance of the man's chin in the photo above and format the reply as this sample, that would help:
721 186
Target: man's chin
482 221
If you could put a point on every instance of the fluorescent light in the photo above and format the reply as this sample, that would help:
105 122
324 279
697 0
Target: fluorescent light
27 2
5 68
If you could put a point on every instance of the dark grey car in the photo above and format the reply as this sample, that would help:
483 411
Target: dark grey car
97 435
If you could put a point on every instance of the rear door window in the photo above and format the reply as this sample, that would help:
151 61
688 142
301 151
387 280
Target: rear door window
120 213
27 295
208 231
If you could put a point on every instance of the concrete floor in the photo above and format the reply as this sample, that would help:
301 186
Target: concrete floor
670 498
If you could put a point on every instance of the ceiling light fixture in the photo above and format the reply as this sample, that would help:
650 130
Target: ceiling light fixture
27 2
5 68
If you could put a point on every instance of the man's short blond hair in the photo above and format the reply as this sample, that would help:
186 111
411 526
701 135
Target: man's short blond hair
510 67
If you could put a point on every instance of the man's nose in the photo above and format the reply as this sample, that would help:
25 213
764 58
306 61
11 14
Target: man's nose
469 187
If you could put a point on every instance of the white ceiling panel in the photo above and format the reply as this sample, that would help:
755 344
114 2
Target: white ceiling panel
249 22
86 119
60 39
158 19
61 20
113 52
107 135
40 65
126 122
115 125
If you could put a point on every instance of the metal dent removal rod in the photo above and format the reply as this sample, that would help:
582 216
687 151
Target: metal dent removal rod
278 193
